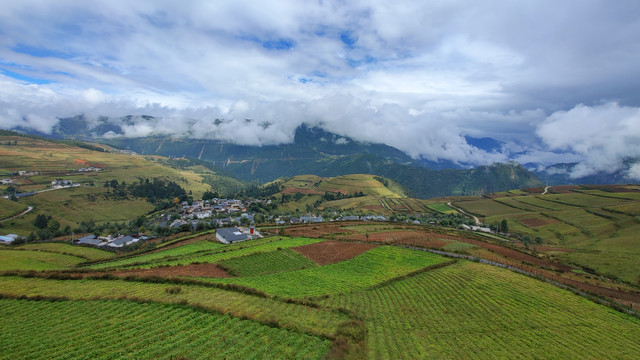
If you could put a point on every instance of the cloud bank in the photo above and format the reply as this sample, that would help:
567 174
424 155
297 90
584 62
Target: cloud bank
416 76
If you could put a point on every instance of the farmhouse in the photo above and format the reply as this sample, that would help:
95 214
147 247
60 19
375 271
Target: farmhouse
90 240
234 234
61 183
8 238
6 181
122 241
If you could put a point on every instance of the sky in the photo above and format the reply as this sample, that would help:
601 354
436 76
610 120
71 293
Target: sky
556 81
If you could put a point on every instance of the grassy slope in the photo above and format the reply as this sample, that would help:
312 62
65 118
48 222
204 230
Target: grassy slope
69 206
600 227
475 311
10 208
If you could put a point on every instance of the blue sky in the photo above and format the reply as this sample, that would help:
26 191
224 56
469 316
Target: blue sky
416 75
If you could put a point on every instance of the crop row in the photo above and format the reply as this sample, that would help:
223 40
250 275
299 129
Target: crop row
368 269
294 316
87 253
229 252
475 311
119 329
264 263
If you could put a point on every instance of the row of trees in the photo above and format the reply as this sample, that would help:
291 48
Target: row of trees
152 190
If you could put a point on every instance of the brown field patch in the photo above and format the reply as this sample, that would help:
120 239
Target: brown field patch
563 189
536 190
612 188
533 222
194 270
318 230
331 252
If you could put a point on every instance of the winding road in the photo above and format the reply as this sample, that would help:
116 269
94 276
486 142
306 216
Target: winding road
29 208
546 190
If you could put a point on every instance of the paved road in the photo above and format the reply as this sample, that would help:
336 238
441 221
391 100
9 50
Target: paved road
29 208
546 190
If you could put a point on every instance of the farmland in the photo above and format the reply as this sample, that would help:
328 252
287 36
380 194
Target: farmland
295 297
593 226
167 331
467 309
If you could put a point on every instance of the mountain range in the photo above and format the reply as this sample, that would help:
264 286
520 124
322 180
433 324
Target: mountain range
320 152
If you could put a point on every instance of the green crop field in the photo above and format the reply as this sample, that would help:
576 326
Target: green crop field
474 311
218 253
264 263
368 269
442 207
311 320
88 253
122 329
600 227
36 260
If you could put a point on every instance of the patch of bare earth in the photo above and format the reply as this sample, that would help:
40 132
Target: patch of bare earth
195 270
331 252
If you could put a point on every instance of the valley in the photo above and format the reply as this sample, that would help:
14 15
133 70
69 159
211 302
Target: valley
349 266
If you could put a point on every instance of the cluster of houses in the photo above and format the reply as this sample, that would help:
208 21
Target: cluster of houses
319 219
89 169
62 183
202 209
6 181
114 242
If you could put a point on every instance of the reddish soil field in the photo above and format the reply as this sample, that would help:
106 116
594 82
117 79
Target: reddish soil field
533 222
318 230
331 252
563 189
197 270
611 188
537 190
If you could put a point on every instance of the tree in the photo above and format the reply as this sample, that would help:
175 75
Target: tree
504 226
41 221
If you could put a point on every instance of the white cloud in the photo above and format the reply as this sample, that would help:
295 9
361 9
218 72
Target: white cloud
605 135
415 75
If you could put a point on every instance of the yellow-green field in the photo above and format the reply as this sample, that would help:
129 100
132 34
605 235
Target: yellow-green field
597 228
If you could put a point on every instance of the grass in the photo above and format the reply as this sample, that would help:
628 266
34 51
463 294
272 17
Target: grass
88 253
267 263
123 329
10 208
475 311
36 260
365 270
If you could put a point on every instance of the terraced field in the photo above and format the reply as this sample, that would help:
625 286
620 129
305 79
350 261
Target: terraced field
301 298
599 224
474 311
88 253
36 260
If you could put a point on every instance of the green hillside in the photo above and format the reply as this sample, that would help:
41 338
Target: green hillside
595 227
